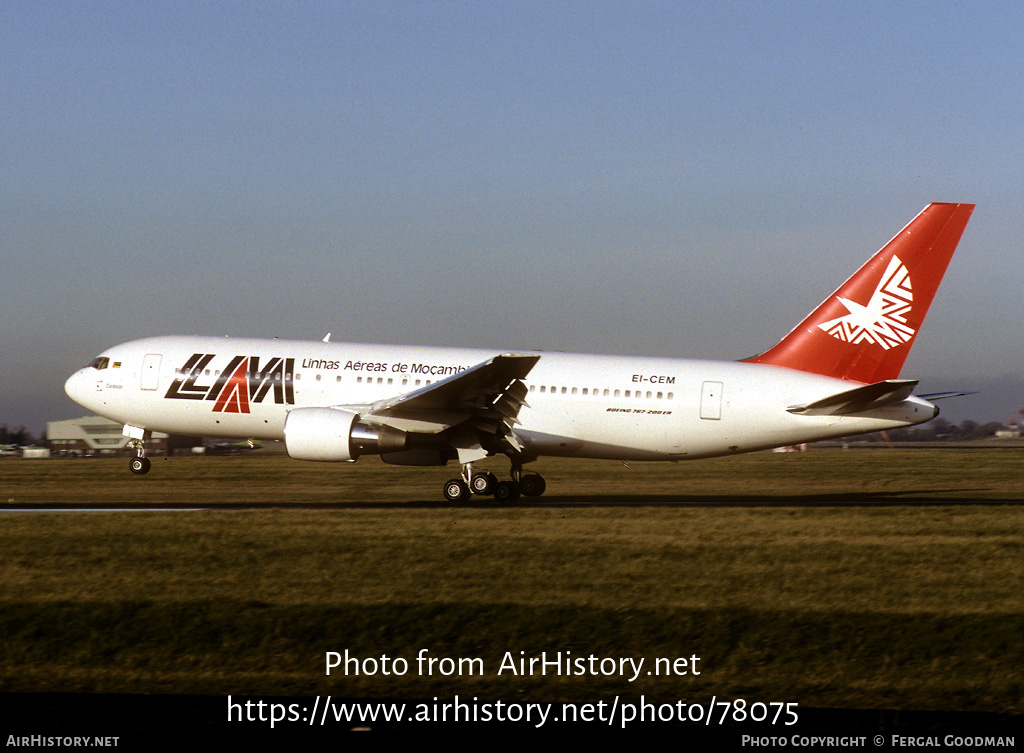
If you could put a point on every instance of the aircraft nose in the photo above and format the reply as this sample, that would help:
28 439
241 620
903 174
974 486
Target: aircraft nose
76 386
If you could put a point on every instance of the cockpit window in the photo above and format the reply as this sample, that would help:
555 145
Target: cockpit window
100 363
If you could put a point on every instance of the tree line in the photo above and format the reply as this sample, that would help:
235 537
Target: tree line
20 436
941 430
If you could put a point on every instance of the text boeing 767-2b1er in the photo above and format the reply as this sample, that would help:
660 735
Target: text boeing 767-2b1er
834 375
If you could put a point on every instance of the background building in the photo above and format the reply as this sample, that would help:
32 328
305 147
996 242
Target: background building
92 435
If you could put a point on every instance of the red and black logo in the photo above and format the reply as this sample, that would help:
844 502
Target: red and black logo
241 383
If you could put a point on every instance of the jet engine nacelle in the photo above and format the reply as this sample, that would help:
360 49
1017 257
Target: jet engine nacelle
335 435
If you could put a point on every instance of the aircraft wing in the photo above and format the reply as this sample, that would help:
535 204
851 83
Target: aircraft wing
858 400
484 400
468 390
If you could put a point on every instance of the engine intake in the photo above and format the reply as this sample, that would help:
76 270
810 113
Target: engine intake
336 435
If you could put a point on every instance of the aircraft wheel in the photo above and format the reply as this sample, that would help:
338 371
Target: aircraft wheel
483 484
138 465
532 484
455 490
506 491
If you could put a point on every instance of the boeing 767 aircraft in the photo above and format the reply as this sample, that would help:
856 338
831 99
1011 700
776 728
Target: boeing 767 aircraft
835 374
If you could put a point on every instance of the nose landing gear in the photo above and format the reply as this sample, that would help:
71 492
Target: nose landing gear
139 464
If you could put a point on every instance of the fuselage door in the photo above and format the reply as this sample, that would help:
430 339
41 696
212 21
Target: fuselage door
711 401
151 371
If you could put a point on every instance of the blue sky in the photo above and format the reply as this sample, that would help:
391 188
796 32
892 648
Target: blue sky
670 179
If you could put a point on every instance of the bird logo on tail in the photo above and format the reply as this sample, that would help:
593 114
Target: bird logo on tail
883 321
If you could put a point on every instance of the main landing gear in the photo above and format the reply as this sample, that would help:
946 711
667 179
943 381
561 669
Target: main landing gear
140 463
486 484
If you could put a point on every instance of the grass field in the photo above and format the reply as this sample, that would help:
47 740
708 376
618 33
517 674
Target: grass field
864 579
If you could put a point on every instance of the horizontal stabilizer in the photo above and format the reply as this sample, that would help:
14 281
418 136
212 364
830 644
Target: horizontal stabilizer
944 395
859 400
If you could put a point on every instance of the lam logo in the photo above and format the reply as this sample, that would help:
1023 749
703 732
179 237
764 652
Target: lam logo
243 382
883 320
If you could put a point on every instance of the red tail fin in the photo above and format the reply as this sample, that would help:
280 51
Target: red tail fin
864 331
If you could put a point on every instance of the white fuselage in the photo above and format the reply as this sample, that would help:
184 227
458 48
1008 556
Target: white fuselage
595 406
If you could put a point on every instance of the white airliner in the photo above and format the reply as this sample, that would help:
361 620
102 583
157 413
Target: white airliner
834 375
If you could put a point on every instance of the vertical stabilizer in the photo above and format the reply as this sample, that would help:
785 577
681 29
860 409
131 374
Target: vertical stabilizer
864 331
